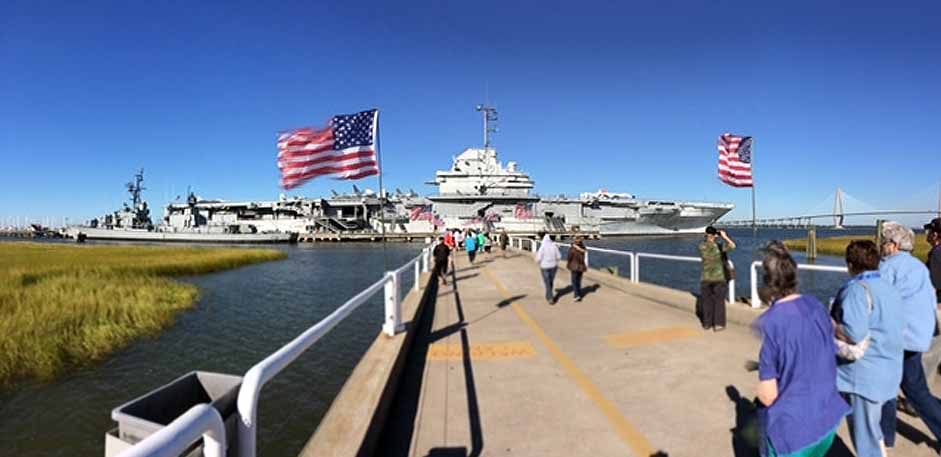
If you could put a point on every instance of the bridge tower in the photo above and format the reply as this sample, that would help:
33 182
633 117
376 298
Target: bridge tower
838 209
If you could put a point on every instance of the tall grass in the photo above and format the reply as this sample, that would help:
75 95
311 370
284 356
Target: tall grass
837 245
64 306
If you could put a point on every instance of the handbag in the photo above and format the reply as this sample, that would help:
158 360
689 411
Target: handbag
728 268
853 352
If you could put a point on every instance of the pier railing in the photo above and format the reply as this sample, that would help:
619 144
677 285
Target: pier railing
756 300
634 273
201 421
204 421
264 371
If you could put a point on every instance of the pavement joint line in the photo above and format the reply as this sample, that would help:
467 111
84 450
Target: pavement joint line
627 431
652 336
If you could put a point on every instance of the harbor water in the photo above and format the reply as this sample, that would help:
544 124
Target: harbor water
245 314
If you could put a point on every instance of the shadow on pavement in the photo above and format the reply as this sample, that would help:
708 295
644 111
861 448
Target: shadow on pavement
396 438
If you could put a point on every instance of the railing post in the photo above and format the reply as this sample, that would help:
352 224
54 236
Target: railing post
426 253
755 300
393 323
586 259
636 275
535 248
417 285
731 291
633 258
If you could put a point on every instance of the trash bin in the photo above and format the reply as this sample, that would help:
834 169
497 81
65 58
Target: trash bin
141 417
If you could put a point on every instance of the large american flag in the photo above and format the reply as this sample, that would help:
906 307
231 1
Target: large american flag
735 160
344 149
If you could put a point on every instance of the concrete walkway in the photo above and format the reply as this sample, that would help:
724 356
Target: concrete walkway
496 371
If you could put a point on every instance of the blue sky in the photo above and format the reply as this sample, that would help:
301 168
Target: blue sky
627 96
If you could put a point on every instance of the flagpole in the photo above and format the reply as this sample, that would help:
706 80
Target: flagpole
754 218
382 194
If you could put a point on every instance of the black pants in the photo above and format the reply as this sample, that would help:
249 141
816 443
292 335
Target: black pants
577 283
441 268
712 300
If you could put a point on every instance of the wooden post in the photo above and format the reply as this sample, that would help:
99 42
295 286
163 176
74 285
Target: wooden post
812 243
879 233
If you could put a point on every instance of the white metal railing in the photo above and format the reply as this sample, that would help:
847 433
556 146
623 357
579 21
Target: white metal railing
634 272
263 371
201 421
756 300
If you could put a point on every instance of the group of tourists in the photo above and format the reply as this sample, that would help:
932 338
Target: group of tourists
817 367
472 241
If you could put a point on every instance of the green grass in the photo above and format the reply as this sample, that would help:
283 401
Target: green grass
837 246
65 306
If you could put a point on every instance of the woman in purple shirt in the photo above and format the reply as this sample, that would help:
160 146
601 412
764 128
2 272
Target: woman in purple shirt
797 366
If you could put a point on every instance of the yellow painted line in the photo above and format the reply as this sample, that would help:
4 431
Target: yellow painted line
627 431
485 351
654 336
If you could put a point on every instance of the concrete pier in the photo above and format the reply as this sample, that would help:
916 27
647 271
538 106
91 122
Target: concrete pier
494 370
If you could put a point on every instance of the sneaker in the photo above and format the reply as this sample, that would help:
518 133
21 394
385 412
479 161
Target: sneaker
719 328
707 327
578 298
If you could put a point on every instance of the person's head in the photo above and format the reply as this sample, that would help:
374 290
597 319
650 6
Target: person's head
933 231
780 271
896 237
711 233
580 240
862 255
441 238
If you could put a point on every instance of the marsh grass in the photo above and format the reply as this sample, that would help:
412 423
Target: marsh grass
836 246
64 306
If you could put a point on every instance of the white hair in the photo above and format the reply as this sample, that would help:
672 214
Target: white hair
902 236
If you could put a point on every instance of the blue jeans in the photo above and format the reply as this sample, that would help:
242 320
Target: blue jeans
577 283
864 426
548 277
916 392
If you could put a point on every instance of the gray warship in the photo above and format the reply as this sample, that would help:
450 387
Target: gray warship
133 223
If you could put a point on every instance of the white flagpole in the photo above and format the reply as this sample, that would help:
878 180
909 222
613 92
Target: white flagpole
754 218
382 190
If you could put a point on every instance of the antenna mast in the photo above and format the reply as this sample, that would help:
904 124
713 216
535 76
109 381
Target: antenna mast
490 123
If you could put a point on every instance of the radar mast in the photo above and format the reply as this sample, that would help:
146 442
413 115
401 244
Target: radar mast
136 188
490 123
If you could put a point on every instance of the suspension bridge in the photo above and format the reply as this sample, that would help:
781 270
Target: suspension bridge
835 218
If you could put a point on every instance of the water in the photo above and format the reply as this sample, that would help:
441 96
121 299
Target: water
245 314
685 275
242 316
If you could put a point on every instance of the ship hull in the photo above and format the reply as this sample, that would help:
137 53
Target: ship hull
86 233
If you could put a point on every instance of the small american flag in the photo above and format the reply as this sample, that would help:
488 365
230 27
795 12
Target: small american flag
523 211
735 160
422 213
344 149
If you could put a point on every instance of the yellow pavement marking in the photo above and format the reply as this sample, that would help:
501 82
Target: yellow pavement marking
627 431
485 351
659 335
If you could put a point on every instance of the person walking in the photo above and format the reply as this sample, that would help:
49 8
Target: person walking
441 253
933 235
868 322
450 242
919 311
577 266
481 242
504 241
796 366
548 257
470 245
459 238
714 282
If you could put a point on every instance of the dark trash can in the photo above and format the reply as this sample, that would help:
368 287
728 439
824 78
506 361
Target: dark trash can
145 415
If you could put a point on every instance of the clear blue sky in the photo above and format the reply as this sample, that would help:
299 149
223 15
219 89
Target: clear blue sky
627 96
